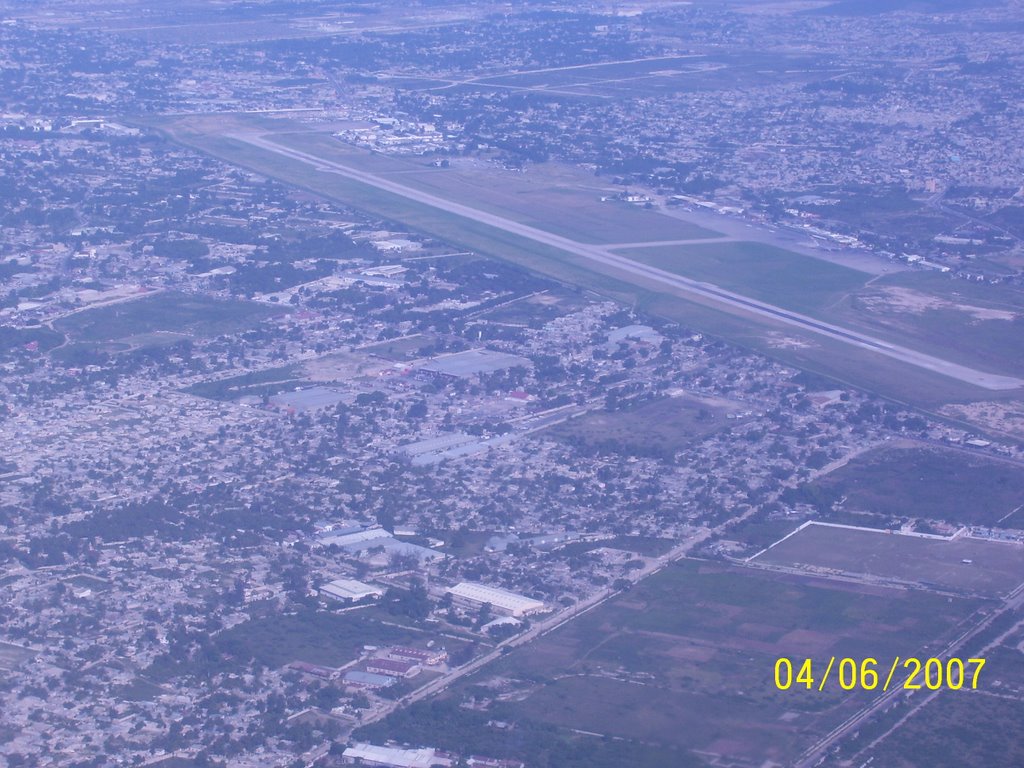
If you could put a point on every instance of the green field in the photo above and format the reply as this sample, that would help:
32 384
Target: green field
933 483
165 312
657 428
758 533
144 341
534 742
970 566
1006 665
967 728
685 660
139 689
535 309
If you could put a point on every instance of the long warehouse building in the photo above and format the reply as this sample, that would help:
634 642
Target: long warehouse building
503 601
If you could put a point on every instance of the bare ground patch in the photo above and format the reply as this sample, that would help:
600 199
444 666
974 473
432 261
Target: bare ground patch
898 299
1002 416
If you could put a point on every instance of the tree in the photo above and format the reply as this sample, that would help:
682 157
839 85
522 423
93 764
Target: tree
484 615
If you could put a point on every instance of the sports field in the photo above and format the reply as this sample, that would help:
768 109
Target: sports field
963 565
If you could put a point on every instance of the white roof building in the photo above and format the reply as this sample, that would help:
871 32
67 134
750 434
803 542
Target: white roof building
350 590
501 600
394 757
355 537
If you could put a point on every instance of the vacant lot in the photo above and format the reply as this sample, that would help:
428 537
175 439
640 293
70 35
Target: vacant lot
686 658
972 566
951 485
166 312
656 428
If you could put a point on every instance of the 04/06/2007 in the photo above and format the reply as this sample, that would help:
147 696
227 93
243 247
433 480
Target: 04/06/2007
850 674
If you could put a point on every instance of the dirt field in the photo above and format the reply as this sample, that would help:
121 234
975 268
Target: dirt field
1007 417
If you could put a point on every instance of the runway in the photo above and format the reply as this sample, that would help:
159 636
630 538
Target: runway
677 283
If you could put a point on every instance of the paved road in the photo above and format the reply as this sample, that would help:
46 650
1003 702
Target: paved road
684 286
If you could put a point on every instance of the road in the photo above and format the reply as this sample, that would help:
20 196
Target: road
683 286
